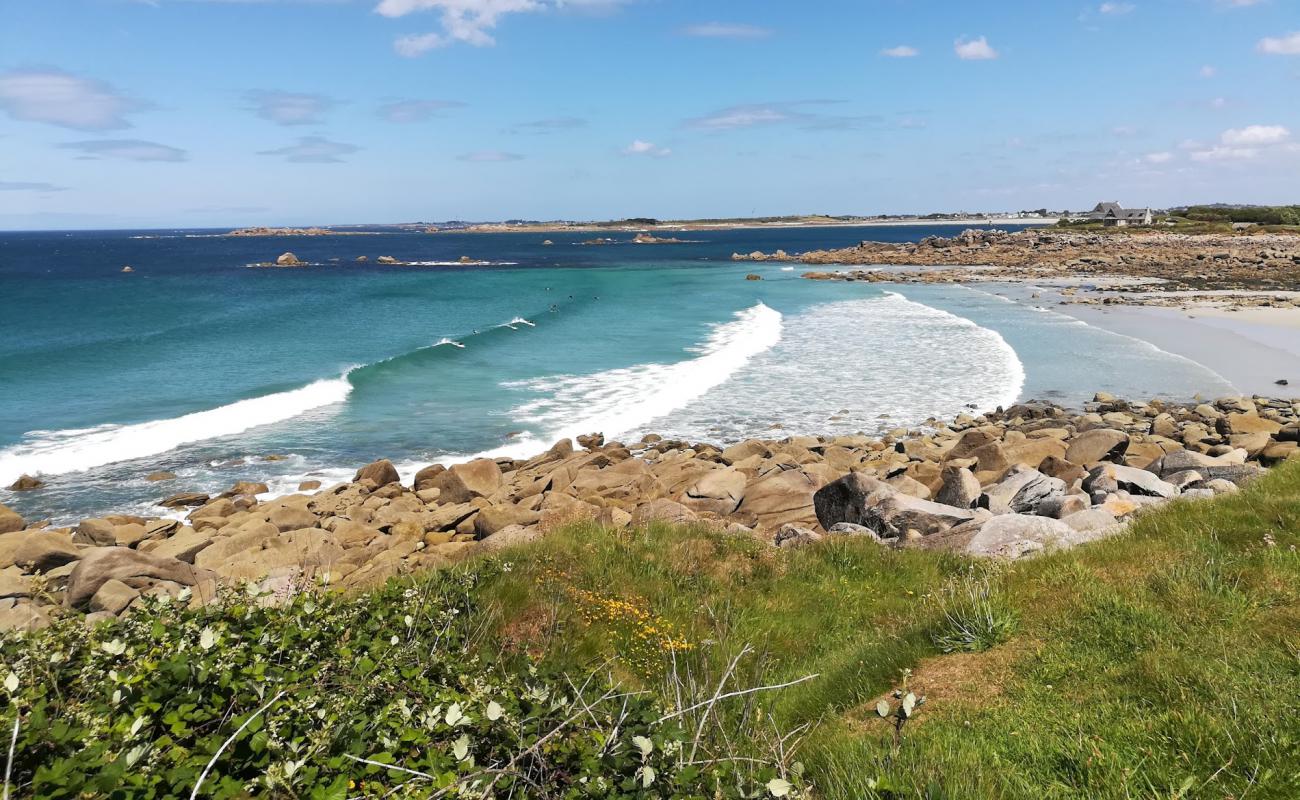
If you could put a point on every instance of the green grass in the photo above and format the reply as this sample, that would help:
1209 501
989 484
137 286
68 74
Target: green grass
1164 663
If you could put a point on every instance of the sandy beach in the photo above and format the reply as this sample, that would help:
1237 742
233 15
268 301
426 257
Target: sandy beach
1252 348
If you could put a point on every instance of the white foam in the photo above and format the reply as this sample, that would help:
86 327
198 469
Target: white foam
621 400
844 365
57 452
451 342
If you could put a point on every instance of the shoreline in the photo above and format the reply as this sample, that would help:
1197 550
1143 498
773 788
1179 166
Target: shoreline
593 227
1007 484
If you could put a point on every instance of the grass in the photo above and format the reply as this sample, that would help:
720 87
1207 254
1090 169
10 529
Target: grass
1164 663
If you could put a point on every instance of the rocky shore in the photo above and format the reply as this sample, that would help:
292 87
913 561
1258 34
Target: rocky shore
1008 484
1172 261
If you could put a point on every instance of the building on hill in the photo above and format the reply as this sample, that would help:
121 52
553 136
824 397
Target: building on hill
1113 214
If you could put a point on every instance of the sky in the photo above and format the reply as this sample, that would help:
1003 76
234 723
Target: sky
196 113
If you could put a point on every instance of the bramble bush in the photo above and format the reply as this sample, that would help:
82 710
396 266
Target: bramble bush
323 696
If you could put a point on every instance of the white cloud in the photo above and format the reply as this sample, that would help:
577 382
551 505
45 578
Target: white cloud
313 150
1158 158
727 30
974 49
1225 154
467 21
60 98
1116 9
415 110
489 156
1243 144
29 186
1288 45
128 149
289 108
1208 71
1255 136
902 51
641 148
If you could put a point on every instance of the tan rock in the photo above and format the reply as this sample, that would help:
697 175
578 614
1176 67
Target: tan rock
662 510
1099 444
183 546
10 520
113 596
37 551
101 564
98 532
463 482
292 519
381 473
717 491
777 498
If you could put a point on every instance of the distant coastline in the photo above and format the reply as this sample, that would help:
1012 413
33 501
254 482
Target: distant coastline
747 224
645 226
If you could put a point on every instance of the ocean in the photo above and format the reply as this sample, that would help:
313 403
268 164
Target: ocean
198 364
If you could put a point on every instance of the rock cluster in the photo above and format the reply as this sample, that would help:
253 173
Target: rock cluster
1185 261
1008 484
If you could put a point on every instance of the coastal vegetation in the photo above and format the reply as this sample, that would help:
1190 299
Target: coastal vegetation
1163 662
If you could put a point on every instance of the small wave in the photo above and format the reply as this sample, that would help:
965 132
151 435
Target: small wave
74 450
787 269
451 342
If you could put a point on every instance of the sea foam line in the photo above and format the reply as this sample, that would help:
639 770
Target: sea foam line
58 452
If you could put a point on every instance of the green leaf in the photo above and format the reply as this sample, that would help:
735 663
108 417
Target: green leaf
643 744
779 787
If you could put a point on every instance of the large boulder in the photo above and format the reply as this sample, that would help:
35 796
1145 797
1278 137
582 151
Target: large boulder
98 532
37 550
463 482
99 565
1021 491
1013 536
960 488
662 510
718 491
1099 444
778 497
381 473
424 478
1247 423
865 501
287 260
1106 478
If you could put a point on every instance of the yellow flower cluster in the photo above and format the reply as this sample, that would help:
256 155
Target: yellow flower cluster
647 635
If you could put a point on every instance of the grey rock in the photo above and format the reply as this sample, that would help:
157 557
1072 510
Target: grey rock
866 501
960 488
1021 491
790 535
1109 478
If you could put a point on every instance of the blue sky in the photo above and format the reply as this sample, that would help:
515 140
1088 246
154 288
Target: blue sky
123 113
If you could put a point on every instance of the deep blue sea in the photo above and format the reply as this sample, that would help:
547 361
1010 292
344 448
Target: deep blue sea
198 364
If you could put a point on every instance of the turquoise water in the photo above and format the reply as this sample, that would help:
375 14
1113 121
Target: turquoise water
198 364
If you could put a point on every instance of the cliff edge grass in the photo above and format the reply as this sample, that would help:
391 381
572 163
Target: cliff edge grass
1164 662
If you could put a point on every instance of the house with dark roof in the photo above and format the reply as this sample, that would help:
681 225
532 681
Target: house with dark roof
1113 214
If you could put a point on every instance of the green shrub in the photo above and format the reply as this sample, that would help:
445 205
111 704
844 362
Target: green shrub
322 694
